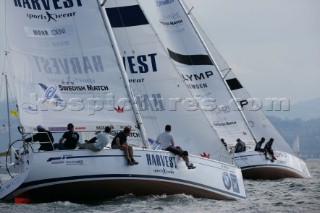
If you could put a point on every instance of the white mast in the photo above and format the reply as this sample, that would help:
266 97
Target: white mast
7 100
216 65
123 72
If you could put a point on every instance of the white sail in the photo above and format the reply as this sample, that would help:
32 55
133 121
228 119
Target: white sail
65 67
251 107
64 52
198 70
160 92
253 164
296 146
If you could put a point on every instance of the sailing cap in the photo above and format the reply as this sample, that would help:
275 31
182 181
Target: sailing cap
238 139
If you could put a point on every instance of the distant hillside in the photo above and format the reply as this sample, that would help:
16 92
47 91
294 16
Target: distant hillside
308 131
303 110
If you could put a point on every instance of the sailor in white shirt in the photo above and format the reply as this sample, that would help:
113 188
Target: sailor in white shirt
97 143
166 141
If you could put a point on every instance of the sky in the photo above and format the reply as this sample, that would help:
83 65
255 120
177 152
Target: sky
273 46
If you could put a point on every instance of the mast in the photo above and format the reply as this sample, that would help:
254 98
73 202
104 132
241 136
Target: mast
216 65
7 100
123 72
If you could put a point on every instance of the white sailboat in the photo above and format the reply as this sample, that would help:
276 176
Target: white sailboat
16 160
233 118
67 68
254 165
296 146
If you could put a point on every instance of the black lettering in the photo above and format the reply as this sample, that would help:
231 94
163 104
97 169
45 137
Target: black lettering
148 159
153 62
158 160
144 67
79 3
162 160
68 3
55 4
124 62
35 5
189 77
209 73
17 3
26 4
154 162
131 64
243 103
196 77
167 161
46 4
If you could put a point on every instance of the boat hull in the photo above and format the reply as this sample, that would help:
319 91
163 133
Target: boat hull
86 176
254 165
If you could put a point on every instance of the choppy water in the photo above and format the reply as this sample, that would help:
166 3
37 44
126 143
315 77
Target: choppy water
286 195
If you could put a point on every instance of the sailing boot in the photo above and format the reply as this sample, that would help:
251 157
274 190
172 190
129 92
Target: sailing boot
190 165
134 162
129 162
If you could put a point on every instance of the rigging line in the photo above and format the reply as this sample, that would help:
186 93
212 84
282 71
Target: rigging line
190 10
227 69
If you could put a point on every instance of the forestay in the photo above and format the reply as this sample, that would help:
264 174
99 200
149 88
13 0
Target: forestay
64 67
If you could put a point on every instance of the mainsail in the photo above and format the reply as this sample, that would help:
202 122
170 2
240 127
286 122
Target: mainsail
162 96
199 72
65 66
251 108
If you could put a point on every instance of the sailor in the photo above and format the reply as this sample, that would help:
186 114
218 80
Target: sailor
259 144
166 141
69 139
44 137
120 142
268 149
240 146
98 142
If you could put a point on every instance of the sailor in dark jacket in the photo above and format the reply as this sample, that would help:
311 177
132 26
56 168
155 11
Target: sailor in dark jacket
268 149
259 145
240 146
44 137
